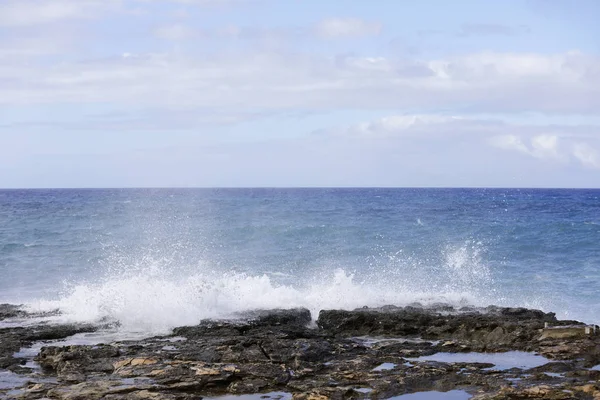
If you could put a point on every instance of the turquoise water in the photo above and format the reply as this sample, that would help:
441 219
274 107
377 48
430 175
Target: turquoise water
157 258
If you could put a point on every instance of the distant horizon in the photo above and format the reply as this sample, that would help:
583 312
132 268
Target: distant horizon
299 188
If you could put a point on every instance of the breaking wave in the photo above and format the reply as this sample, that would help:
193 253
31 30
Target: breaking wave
151 297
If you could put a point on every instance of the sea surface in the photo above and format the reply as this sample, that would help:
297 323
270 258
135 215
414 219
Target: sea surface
153 259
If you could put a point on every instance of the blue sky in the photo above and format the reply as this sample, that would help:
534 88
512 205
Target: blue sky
121 93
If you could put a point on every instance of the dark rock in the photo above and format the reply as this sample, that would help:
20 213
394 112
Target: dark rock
526 314
9 345
495 329
54 332
294 316
70 361
265 351
555 367
291 323
11 311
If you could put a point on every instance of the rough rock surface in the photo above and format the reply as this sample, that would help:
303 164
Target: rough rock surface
365 353
11 311
13 338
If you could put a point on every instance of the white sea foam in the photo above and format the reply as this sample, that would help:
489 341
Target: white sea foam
157 304
151 298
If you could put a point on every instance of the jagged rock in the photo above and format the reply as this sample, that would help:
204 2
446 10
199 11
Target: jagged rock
72 363
11 311
492 328
276 351
568 332
54 332
294 316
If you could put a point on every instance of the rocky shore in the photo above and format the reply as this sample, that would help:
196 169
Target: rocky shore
439 351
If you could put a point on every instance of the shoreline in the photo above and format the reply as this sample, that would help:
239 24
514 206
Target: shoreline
377 353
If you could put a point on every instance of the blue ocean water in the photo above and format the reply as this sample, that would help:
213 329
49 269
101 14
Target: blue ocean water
158 258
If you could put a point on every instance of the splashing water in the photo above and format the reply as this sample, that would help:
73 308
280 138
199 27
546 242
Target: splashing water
156 259
154 299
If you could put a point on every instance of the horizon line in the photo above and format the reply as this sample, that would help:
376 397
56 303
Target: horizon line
295 187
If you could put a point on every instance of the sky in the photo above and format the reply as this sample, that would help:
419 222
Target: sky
299 93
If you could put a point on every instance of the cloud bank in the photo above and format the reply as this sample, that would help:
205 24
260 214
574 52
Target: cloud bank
307 84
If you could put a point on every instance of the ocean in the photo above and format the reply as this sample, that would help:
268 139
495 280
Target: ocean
149 260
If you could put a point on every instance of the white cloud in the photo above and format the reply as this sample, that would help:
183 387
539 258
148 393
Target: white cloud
174 32
509 142
400 124
586 154
418 150
489 29
179 31
556 143
25 47
551 147
203 3
52 60
15 13
332 28
22 13
490 82
540 146
545 147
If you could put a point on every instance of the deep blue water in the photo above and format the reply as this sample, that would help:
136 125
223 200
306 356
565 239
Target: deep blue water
162 257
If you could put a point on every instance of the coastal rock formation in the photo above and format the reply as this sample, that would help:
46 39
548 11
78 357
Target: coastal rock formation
366 353
11 311
488 329
13 338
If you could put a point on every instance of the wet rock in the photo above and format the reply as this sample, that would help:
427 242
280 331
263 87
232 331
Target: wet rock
152 395
275 317
568 332
73 363
292 322
275 351
9 346
520 313
15 338
491 329
554 367
11 311
54 332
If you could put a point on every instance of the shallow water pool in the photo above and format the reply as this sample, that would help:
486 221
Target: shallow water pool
257 396
10 380
451 395
501 361
384 367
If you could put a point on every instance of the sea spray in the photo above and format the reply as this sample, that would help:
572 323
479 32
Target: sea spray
154 259
151 297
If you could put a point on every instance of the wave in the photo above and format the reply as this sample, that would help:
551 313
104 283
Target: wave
158 304
155 297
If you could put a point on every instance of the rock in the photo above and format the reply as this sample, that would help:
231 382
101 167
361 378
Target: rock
589 388
12 339
499 329
310 396
73 363
523 313
133 362
267 351
568 332
11 311
275 317
293 321
555 367
150 395
54 332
